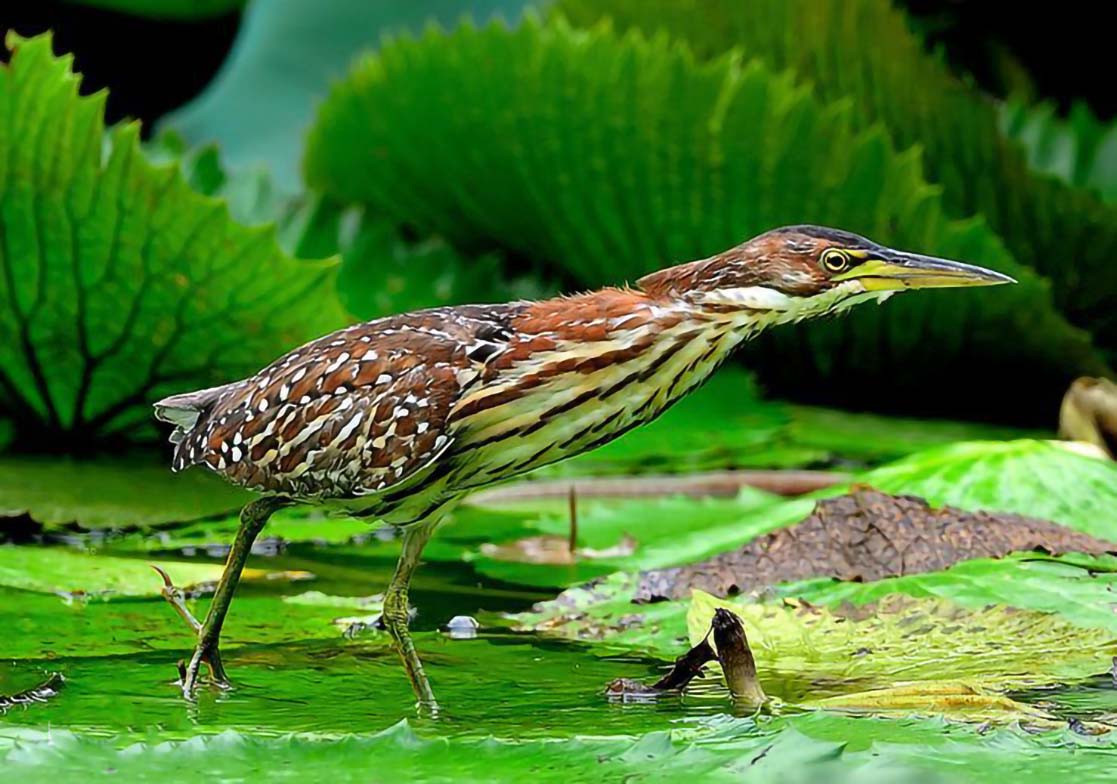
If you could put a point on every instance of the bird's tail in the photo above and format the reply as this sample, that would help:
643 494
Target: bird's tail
183 411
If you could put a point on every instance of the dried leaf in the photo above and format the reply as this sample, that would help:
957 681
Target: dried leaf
865 536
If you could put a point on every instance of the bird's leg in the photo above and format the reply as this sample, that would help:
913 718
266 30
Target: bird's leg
252 519
396 616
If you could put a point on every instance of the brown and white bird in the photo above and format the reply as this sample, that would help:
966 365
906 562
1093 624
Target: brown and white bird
397 419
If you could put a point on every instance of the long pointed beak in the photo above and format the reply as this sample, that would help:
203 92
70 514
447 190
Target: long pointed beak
899 270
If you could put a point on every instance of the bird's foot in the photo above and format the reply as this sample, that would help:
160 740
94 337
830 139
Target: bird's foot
205 652
396 619
209 655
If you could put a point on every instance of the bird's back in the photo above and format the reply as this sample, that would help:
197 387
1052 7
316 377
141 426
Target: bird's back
350 414
446 400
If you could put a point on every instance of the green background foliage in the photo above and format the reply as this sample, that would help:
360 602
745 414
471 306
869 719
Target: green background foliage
356 159
120 283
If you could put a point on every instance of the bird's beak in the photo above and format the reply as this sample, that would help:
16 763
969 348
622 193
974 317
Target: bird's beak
898 270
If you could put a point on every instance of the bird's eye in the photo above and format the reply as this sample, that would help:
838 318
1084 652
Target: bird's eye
835 261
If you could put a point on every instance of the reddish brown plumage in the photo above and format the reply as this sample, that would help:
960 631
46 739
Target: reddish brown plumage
372 408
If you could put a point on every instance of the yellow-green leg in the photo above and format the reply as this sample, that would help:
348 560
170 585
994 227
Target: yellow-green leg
252 520
395 615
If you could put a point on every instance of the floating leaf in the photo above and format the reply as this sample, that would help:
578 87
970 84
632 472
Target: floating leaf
39 626
956 699
1081 590
1066 234
679 161
901 639
665 532
120 284
68 572
119 493
866 536
297 524
1045 479
398 752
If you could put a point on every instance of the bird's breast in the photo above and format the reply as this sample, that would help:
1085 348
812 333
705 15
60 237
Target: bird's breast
579 396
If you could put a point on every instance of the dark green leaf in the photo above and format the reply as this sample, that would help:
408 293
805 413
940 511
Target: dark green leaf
1080 150
120 284
110 493
865 52
498 138
286 55
1045 479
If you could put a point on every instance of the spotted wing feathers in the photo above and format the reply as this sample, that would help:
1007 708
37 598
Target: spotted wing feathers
351 414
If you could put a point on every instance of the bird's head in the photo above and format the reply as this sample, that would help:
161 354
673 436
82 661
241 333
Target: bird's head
805 271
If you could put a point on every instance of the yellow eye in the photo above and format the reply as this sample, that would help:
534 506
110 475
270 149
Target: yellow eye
834 260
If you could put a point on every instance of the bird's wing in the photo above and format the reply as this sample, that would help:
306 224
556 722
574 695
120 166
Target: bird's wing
351 414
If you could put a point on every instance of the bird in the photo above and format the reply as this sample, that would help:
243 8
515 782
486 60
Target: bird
397 419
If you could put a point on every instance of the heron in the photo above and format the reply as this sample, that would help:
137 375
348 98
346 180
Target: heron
397 419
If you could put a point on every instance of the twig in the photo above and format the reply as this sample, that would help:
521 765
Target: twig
572 504
721 484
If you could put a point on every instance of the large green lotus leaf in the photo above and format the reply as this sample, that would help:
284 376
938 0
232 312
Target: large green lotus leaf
1046 479
119 493
398 753
119 282
796 750
1080 149
298 524
1067 234
286 55
608 157
187 10
381 273
42 627
902 639
1081 589
68 572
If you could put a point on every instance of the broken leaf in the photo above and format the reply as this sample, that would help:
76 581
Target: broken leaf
1082 590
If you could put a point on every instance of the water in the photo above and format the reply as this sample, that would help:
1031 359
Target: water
294 671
